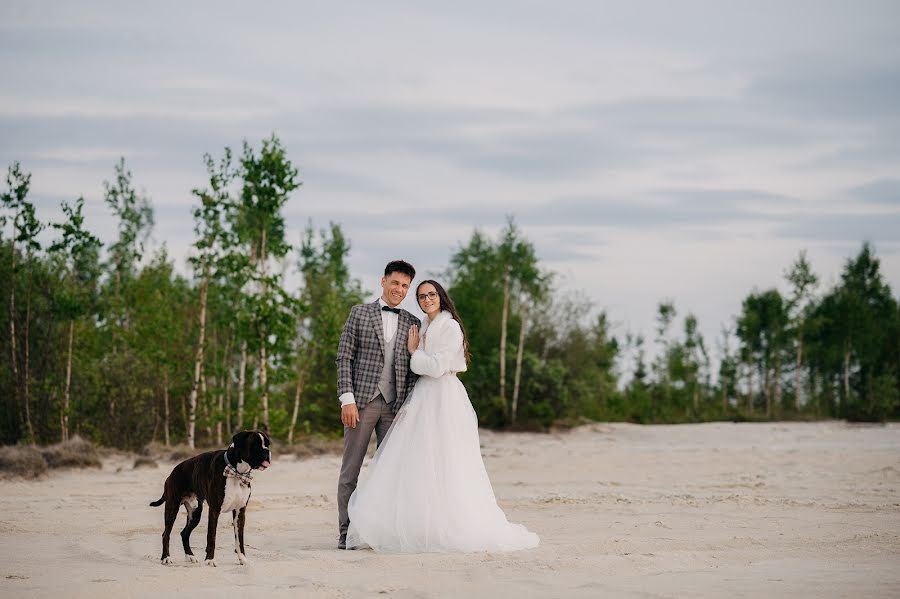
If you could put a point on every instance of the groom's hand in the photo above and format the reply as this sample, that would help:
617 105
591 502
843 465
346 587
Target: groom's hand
350 415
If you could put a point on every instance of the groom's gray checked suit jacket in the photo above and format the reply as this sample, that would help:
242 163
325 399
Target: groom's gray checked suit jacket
360 355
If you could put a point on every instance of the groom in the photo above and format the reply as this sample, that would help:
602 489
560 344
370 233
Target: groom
373 375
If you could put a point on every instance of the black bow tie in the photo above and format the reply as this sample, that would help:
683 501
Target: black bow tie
389 309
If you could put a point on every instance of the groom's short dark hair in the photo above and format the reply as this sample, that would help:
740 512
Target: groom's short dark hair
401 266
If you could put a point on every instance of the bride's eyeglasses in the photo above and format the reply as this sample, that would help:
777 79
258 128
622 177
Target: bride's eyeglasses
430 295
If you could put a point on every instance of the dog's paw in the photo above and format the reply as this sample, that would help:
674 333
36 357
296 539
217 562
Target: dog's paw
243 559
210 562
167 560
191 558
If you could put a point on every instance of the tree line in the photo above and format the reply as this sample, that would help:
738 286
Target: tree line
113 344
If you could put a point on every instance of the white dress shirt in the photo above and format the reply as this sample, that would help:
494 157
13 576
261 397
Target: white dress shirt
389 321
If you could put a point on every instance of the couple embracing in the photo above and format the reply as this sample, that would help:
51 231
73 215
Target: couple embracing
426 489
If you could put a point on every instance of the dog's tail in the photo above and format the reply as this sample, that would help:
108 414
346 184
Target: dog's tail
159 501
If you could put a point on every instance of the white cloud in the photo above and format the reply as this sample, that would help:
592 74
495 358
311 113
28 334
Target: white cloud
650 149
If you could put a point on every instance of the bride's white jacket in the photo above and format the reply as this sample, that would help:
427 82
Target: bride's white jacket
440 349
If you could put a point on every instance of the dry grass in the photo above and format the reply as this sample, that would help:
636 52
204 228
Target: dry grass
145 462
74 453
22 461
30 461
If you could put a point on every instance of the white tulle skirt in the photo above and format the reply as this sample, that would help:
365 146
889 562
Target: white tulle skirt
427 490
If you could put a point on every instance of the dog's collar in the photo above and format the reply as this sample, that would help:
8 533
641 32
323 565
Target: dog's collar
232 472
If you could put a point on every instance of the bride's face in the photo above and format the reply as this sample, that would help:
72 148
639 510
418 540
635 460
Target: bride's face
428 299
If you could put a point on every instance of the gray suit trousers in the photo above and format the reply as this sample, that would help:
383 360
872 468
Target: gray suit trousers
376 416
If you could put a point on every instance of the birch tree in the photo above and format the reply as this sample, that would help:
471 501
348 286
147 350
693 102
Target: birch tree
209 223
78 248
269 178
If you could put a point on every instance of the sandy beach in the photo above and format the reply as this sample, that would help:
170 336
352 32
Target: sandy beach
709 510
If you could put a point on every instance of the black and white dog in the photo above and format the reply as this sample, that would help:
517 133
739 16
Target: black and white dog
222 479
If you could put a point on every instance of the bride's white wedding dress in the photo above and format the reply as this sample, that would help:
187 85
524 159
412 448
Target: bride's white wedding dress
426 490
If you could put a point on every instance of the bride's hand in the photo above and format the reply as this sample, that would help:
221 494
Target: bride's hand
412 340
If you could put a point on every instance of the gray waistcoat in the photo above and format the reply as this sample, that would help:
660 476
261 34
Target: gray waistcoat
387 384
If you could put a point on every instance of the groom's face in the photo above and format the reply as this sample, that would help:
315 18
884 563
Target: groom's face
394 287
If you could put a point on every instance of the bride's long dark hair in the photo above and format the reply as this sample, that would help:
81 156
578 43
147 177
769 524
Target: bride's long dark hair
448 305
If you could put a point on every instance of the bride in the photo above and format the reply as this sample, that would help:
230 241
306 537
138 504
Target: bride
427 489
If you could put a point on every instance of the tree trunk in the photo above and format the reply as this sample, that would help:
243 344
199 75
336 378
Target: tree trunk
241 384
798 374
263 364
228 428
724 384
26 345
223 395
750 388
847 374
12 342
67 393
301 380
184 415
220 392
155 425
198 362
767 389
504 316
518 376
166 405
221 410
776 395
263 383
207 408
817 391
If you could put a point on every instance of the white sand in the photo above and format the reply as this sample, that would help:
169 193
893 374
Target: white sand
713 510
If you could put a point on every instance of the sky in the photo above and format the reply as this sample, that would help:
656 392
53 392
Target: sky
649 150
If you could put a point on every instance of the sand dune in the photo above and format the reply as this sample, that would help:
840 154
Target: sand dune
711 510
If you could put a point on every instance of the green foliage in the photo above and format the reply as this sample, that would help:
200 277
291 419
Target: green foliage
135 216
854 342
568 358
328 292
134 325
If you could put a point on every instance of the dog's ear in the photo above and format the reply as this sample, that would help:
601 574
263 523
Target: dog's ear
238 438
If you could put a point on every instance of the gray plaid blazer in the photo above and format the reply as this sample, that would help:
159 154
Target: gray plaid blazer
360 355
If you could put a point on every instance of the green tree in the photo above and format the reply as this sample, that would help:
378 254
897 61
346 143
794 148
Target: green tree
665 316
327 294
857 339
803 283
762 327
26 228
269 178
135 216
475 283
78 249
209 226
695 364
728 370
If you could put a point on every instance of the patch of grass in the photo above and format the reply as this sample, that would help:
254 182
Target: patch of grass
145 462
31 461
23 461
74 453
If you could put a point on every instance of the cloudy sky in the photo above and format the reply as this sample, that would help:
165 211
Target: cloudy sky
686 150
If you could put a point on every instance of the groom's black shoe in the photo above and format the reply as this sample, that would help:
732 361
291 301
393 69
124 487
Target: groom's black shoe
342 541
